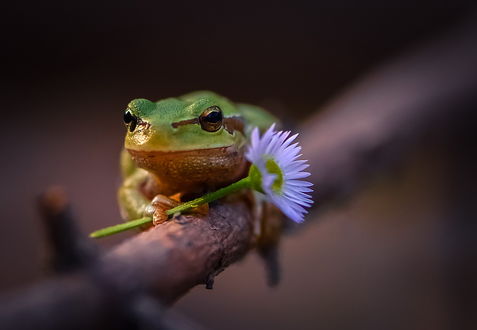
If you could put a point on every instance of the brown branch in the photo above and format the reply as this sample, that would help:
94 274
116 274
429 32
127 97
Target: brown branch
70 249
177 255
165 261
364 131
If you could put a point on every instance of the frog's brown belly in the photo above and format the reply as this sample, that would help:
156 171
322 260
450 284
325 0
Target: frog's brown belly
192 171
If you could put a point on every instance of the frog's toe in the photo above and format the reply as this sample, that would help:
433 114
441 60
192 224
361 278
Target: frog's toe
177 197
158 207
159 217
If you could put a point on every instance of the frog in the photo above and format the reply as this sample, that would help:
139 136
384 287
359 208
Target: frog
179 148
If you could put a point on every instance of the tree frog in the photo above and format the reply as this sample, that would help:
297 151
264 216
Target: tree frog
179 148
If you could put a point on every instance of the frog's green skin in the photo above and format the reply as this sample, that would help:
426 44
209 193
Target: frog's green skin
168 152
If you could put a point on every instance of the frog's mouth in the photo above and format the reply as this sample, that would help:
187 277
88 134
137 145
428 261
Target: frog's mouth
178 153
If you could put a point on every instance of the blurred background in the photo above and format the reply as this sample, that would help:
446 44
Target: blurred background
384 258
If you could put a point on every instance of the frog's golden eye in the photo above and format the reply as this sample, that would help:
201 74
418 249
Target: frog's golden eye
130 119
211 119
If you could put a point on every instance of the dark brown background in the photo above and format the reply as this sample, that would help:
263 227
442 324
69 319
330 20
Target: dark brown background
69 70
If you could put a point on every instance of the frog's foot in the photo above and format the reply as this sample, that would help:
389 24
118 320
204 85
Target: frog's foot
158 207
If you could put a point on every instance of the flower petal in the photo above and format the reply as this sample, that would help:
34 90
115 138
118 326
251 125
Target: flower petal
293 196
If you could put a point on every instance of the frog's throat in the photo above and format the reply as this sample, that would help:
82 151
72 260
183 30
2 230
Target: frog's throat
190 170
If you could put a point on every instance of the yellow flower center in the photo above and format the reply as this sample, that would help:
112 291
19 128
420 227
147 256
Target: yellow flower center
273 168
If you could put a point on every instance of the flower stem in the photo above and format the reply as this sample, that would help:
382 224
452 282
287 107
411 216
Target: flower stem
241 184
120 228
244 183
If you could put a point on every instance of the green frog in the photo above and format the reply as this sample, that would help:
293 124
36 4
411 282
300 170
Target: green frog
179 148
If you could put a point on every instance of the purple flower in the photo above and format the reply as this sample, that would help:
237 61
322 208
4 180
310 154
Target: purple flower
278 172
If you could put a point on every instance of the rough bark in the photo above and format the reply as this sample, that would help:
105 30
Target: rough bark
175 256
110 291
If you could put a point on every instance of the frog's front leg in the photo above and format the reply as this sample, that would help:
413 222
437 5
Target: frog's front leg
161 203
158 207
135 203
131 200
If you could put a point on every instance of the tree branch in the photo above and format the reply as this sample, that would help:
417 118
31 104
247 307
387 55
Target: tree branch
165 261
175 256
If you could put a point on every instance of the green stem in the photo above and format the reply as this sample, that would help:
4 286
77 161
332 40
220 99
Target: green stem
236 186
120 228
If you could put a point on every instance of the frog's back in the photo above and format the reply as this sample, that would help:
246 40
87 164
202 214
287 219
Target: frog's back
256 116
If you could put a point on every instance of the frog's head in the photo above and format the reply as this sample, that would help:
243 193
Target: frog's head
201 120
183 138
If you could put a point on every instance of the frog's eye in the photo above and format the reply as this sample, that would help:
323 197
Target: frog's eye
130 119
211 119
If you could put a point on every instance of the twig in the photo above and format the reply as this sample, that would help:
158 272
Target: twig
70 249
